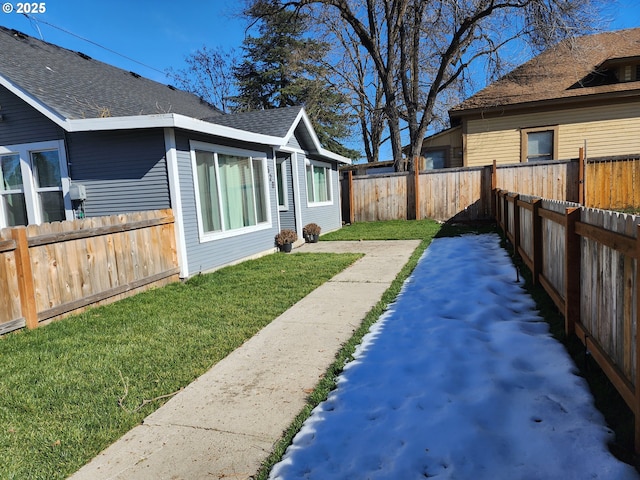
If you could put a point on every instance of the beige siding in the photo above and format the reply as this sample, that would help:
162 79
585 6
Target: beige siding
452 140
608 130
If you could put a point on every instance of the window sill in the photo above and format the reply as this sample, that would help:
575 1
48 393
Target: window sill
319 204
206 237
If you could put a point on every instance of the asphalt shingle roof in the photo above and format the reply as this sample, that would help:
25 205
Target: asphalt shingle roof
276 122
76 86
556 73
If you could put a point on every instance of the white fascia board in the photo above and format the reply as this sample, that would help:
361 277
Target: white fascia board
302 116
120 123
33 102
170 120
334 156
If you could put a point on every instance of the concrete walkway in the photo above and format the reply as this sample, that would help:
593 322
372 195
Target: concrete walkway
224 425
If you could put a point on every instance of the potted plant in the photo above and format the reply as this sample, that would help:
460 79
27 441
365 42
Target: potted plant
285 239
311 232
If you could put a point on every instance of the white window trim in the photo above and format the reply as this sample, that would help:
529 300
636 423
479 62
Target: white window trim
312 163
282 166
219 149
34 214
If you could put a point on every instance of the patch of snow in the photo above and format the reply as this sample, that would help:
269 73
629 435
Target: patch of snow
459 379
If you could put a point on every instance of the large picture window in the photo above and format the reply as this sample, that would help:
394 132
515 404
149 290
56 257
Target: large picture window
318 184
33 184
231 186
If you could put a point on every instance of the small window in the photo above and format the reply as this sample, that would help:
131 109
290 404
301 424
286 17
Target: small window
435 159
281 177
318 184
539 144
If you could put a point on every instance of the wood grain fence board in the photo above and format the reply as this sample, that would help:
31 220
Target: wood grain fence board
24 275
10 309
629 275
636 183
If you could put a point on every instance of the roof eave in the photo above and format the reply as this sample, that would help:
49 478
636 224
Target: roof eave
26 97
552 102
169 120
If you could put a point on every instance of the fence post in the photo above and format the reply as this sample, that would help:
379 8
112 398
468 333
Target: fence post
25 277
572 270
416 188
494 186
516 224
636 409
581 190
350 213
536 241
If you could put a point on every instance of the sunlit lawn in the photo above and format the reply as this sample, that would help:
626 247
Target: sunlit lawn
70 389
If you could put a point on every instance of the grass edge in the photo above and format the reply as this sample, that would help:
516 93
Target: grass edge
328 382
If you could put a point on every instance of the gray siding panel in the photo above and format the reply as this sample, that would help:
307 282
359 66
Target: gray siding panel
329 216
24 124
123 171
293 143
203 256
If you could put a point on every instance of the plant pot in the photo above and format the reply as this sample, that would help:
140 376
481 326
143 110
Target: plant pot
286 248
312 238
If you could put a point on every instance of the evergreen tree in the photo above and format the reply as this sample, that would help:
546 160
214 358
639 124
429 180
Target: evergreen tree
283 67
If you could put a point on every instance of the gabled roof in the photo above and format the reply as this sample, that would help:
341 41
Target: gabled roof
276 122
560 74
82 94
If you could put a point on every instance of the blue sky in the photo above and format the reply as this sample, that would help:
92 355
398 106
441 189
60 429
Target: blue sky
161 33
156 33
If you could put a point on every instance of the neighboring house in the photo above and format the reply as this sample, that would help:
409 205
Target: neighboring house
585 89
82 138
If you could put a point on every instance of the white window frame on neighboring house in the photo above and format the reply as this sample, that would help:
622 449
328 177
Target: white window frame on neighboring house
33 192
257 168
524 142
314 189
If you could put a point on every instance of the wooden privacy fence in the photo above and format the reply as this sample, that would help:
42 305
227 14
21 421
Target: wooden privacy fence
587 260
612 183
465 193
50 270
557 180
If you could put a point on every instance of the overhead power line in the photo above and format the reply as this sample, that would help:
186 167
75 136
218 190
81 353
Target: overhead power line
33 19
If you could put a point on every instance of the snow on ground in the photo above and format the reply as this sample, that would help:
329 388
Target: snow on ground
460 379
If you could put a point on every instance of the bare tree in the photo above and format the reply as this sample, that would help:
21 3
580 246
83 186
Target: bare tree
208 74
353 73
422 48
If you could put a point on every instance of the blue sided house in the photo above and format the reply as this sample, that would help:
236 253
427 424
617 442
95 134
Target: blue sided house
82 138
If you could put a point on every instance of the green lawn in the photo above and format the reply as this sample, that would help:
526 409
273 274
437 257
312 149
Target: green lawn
388 230
70 389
